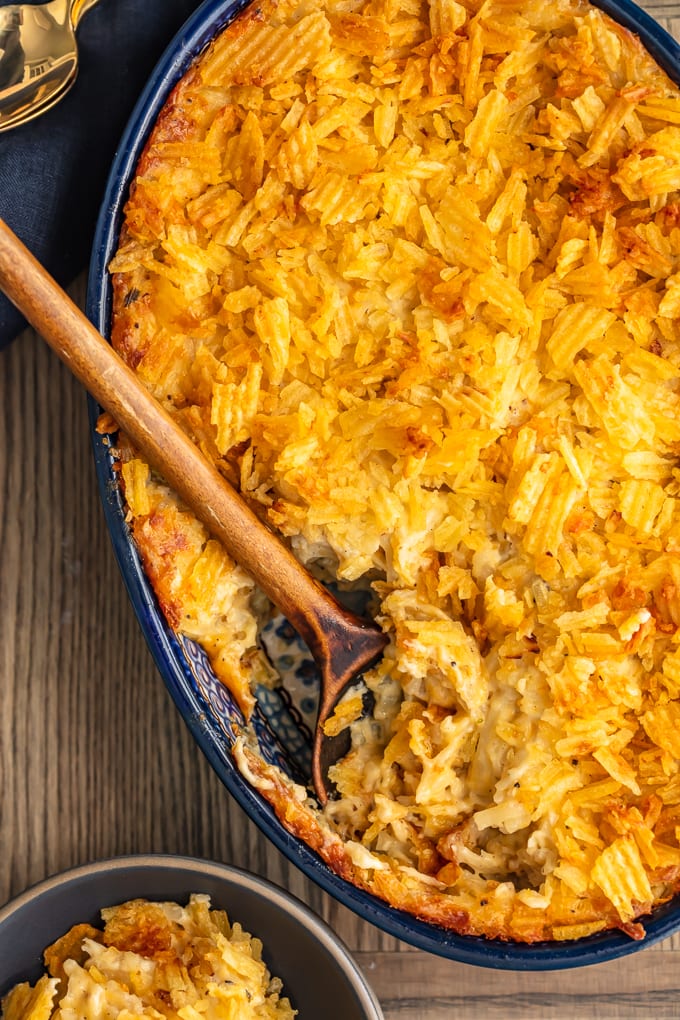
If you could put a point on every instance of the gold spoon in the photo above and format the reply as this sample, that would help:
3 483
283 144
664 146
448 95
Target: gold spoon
38 57
342 644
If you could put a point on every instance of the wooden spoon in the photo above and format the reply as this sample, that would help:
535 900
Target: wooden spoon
342 644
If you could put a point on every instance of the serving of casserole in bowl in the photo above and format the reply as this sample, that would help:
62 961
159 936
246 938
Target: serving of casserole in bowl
161 935
408 274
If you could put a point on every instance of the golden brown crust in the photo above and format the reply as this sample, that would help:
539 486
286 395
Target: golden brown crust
409 278
69 947
404 892
143 928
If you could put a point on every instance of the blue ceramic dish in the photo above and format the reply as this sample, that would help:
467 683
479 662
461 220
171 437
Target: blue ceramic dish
284 719
318 973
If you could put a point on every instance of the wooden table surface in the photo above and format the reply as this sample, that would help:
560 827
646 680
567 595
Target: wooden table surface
95 761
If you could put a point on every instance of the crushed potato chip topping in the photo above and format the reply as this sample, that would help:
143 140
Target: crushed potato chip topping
409 273
153 960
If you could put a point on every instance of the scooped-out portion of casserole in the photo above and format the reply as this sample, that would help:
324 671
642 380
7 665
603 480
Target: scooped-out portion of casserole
409 274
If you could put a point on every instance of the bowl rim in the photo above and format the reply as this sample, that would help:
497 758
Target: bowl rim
208 19
286 901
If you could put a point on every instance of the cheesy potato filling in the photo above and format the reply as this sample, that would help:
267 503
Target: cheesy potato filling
409 274
155 961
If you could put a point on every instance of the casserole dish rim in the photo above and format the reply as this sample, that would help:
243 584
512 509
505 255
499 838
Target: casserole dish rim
202 26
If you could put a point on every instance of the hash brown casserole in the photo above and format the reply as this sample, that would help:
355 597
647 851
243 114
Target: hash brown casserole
409 274
153 960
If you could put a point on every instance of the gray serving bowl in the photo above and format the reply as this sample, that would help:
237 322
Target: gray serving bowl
319 975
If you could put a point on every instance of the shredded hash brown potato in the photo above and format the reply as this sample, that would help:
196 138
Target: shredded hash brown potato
409 274
153 960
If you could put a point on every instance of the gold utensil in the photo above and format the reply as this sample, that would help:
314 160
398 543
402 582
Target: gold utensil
38 57
342 644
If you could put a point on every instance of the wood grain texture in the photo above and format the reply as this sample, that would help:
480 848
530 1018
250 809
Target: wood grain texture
417 987
95 761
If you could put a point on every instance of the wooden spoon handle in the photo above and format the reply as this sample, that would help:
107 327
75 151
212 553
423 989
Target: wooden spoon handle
318 618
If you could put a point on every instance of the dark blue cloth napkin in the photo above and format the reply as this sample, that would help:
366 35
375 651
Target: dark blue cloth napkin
53 170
